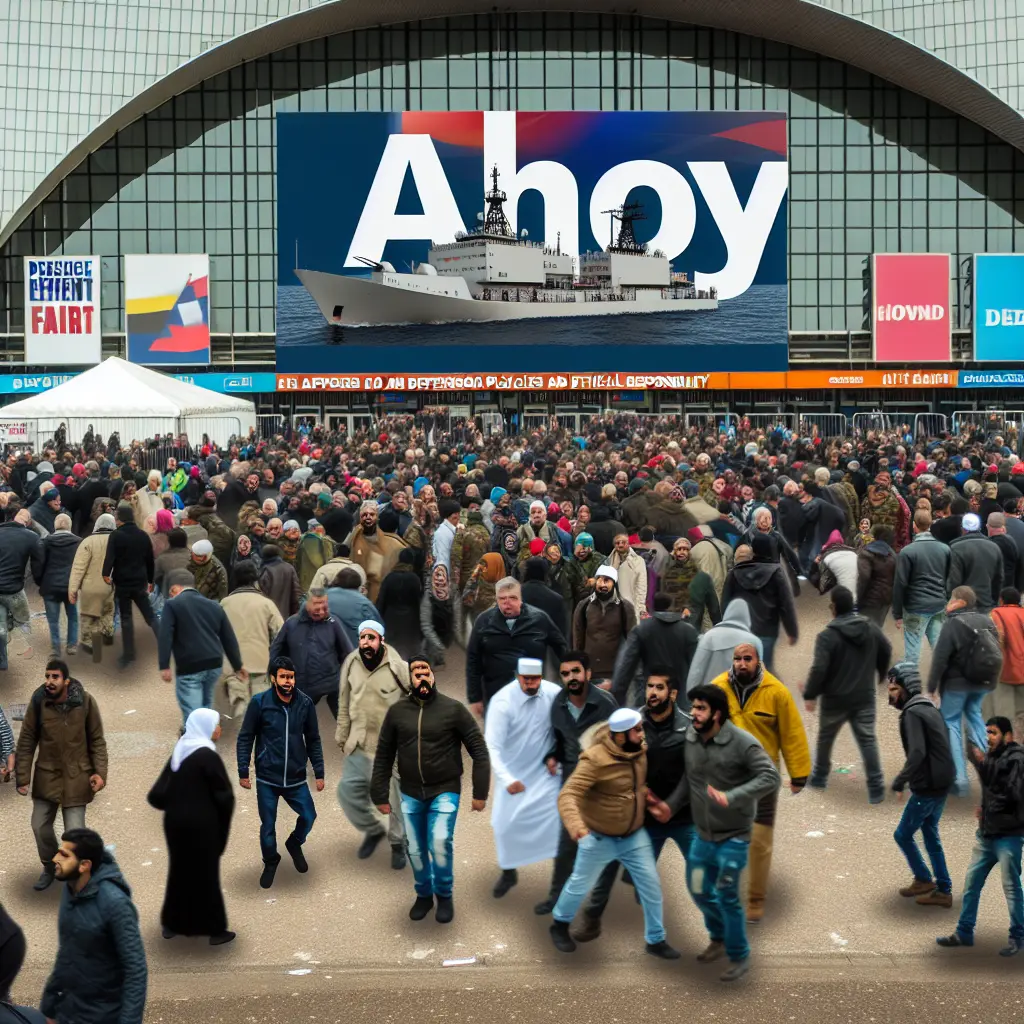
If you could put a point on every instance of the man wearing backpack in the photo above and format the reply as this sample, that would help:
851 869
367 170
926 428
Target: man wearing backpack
966 666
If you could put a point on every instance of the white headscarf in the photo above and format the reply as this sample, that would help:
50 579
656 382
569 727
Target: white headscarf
198 730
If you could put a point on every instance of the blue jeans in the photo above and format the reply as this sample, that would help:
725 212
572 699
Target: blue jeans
923 813
53 606
954 705
299 799
917 626
636 853
1006 852
429 833
195 690
713 873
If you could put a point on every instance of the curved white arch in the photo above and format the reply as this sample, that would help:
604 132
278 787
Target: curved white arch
795 22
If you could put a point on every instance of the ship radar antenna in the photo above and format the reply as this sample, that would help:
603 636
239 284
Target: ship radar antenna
495 221
626 215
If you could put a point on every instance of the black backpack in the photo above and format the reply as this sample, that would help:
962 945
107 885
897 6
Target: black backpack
984 662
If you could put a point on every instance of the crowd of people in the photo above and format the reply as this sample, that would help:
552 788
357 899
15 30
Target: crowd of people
619 592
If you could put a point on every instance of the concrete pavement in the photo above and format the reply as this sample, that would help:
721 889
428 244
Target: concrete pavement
832 898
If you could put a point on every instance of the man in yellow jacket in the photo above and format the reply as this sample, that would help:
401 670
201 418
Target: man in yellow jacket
763 706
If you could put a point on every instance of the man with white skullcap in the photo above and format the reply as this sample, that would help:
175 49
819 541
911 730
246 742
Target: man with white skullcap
211 578
519 736
602 622
373 677
602 806
538 526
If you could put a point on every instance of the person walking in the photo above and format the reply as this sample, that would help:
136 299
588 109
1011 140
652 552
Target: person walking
665 725
966 666
501 636
19 545
876 570
211 578
975 561
255 621
63 726
519 735
90 593
1000 835
426 732
929 772
317 645
12 956
128 565
763 585
99 975
602 622
763 705
373 677
195 794
590 707
691 589
197 632
398 605
279 581
348 604
713 655
730 776
665 638
603 804
1013 562
632 573
281 724
1008 697
919 588
851 654
53 582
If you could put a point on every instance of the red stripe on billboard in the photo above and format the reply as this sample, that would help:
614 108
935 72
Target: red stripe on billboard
911 307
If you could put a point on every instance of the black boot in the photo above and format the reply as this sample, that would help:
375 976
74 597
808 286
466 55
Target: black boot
422 907
45 879
269 870
505 882
561 938
544 907
298 858
445 910
369 844
397 858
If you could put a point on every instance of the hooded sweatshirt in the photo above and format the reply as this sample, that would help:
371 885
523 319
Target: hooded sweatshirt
715 647
850 654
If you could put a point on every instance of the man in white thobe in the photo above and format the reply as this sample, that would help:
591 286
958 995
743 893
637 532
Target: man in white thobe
519 738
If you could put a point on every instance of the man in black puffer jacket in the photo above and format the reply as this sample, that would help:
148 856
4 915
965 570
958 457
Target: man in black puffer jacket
128 564
1000 836
851 654
426 731
19 544
53 578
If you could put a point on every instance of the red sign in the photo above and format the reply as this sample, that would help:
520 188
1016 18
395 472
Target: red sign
911 307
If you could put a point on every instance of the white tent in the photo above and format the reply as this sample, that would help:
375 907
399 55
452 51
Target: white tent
134 401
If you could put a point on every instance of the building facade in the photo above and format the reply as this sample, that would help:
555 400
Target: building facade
906 132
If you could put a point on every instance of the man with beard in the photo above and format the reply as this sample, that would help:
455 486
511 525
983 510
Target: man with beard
692 591
602 622
281 724
665 725
519 734
730 775
603 806
929 771
62 721
764 707
100 972
426 731
580 707
375 551
373 677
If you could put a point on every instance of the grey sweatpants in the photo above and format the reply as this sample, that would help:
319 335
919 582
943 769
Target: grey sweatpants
354 797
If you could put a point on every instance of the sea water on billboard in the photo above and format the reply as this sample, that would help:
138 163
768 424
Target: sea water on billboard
575 221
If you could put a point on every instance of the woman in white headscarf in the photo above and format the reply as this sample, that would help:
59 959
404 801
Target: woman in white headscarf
196 797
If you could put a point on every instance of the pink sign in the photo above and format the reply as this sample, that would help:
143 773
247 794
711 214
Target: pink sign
911 307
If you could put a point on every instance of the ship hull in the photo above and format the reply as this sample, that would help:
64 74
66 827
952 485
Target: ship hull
359 302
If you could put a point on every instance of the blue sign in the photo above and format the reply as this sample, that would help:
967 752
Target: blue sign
999 308
991 379
493 241
226 383
31 384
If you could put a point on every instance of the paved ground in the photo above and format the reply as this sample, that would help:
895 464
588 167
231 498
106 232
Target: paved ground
832 903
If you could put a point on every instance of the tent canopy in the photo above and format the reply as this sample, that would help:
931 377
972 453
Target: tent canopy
116 387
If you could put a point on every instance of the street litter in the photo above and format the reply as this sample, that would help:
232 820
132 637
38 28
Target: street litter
460 962
815 835
839 940
302 970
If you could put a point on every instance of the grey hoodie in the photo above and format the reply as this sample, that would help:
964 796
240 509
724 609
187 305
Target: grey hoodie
715 647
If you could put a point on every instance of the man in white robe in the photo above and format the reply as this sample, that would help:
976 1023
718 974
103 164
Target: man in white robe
519 737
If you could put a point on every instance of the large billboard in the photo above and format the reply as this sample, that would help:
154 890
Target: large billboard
503 242
167 309
999 307
911 307
62 310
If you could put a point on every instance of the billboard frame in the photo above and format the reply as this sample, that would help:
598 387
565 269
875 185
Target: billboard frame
975 309
948 357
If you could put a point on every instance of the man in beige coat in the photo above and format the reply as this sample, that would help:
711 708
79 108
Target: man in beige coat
88 591
375 551
373 677
632 571
256 621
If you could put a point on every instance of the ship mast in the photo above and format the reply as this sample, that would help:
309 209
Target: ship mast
626 215
495 221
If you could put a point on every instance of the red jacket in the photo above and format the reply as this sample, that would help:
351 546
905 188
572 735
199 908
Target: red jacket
1009 620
